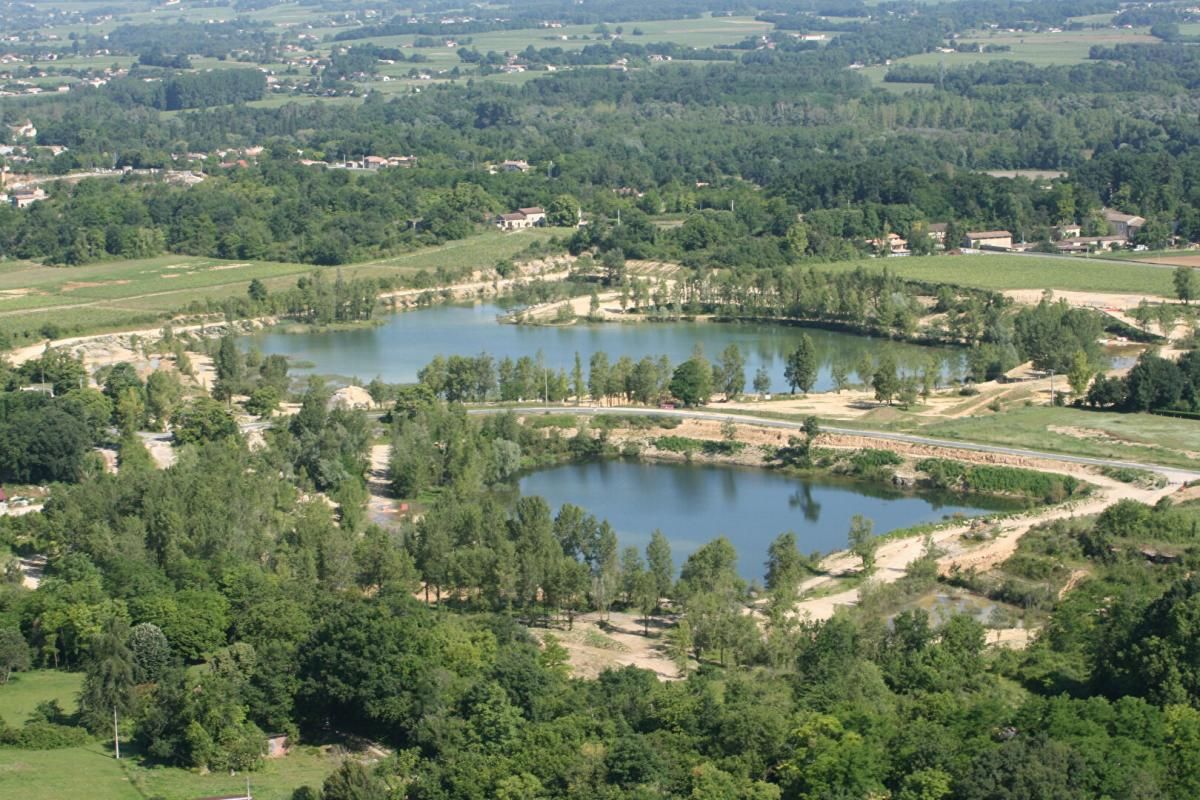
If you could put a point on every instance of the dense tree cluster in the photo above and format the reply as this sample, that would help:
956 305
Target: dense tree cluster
175 91
211 602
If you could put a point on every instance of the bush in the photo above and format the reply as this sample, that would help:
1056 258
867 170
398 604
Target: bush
873 459
678 444
873 464
1009 481
551 421
42 735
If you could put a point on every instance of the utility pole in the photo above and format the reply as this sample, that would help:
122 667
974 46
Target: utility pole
116 734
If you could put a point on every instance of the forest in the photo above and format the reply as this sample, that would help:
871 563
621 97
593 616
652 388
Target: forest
805 143
216 567
231 604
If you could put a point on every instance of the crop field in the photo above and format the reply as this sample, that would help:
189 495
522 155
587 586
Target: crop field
114 294
1040 49
1000 271
700 32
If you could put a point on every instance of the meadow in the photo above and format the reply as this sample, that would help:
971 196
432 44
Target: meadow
92 772
1130 437
1043 49
25 690
1001 271
113 294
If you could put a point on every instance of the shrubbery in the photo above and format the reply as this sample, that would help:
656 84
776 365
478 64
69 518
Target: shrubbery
1010 481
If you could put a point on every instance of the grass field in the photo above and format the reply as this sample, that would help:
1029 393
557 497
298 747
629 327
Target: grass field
1130 437
91 772
1002 271
110 295
1040 49
25 690
702 32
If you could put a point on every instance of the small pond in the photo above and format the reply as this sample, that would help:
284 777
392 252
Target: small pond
695 503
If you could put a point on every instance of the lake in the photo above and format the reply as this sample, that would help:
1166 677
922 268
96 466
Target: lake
694 503
407 341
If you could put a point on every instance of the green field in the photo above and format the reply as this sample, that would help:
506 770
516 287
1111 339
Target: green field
25 690
1129 437
91 772
702 32
112 294
1040 49
1000 271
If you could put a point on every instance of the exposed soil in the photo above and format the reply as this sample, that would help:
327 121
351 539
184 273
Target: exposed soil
1174 261
594 646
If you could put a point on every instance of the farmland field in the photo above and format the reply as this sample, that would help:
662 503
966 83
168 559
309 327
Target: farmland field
1003 271
702 32
114 294
1040 49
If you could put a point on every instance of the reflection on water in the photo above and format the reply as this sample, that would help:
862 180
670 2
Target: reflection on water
397 349
694 503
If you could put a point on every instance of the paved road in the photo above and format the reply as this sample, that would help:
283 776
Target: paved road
1173 474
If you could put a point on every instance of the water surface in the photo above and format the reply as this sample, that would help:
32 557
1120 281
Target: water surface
405 342
695 503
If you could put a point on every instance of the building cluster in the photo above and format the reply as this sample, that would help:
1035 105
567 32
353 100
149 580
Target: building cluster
1068 238
22 196
369 163
532 217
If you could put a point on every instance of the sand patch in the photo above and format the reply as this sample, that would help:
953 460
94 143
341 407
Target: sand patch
1103 301
594 646
221 267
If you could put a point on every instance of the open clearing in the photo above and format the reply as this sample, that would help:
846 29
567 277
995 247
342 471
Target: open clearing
1131 437
122 294
25 690
1000 271
701 32
91 772
1040 49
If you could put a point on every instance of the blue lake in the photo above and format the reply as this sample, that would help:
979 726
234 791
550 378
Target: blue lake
405 342
695 503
